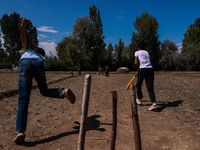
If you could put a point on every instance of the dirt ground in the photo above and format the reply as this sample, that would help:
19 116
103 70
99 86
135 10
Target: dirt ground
53 124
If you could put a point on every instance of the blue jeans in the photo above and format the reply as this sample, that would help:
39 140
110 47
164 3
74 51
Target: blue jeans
29 68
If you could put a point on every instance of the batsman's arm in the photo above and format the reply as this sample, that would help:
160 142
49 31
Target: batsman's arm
23 33
136 61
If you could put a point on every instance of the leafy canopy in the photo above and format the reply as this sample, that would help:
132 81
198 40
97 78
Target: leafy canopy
147 31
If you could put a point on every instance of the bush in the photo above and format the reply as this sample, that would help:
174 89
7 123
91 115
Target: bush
6 66
53 64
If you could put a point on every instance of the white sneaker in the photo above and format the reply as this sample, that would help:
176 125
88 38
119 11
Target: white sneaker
153 108
138 102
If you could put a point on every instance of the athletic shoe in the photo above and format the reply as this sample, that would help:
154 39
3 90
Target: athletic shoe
138 102
19 139
152 108
70 96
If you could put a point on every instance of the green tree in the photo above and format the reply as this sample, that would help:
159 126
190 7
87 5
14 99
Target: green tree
10 26
169 53
126 58
118 51
191 42
189 59
97 41
125 53
32 41
11 30
147 31
109 55
83 33
192 35
82 28
53 64
68 52
86 45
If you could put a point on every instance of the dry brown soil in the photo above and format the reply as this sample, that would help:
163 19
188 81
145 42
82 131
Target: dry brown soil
53 124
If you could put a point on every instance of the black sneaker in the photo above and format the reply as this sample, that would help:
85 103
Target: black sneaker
70 96
19 139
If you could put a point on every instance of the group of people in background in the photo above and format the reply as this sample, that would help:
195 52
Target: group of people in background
101 70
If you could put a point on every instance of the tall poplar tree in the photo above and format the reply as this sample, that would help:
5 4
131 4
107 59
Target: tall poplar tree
69 52
83 33
87 40
118 51
10 27
147 31
109 55
190 53
97 46
169 53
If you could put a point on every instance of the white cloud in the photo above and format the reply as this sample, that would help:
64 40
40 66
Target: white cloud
123 11
2 41
120 17
122 14
179 46
46 29
68 33
43 36
49 47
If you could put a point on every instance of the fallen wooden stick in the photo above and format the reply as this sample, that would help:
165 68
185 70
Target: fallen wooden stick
134 116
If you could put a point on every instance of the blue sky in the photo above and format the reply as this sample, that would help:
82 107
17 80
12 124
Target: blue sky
54 19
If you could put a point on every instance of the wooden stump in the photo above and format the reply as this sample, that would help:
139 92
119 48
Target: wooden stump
134 116
114 127
85 104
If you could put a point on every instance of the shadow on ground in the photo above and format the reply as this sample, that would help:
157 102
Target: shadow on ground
169 104
92 124
163 105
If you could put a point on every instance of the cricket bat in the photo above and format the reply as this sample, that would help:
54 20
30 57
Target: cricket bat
129 84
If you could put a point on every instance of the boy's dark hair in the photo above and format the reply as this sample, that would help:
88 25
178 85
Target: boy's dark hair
141 45
40 51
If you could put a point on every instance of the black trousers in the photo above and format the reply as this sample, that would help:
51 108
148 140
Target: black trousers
148 75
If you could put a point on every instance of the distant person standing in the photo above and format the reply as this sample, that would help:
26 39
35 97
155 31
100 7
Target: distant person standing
31 65
107 70
100 70
145 71
79 69
72 73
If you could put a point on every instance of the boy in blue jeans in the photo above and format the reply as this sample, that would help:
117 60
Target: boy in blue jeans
31 65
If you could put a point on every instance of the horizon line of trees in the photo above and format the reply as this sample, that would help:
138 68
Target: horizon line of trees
86 45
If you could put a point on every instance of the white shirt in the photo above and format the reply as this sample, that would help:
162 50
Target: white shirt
32 54
144 59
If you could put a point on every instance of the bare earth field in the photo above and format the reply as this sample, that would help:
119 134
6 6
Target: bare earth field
53 124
